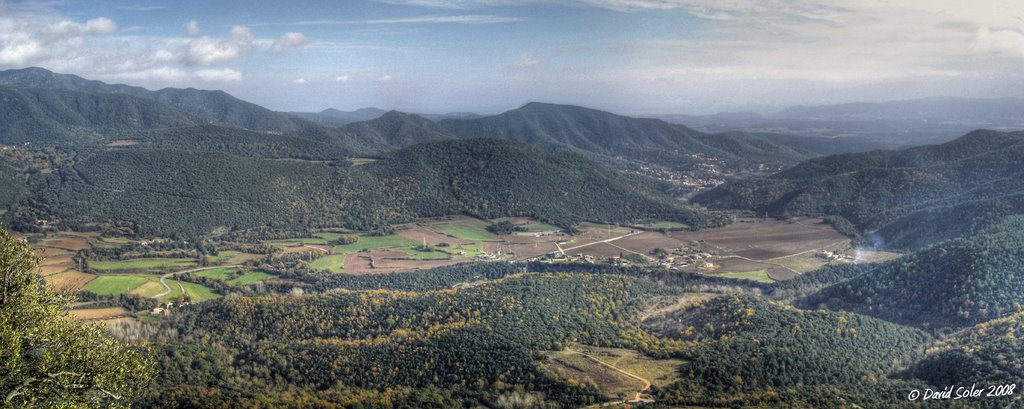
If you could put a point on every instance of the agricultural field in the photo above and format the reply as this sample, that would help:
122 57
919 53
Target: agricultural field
196 292
766 239
323 238
334 263
142 264
220 273
374 243
117 284
760 276
465 228
250 278
99 314
69 280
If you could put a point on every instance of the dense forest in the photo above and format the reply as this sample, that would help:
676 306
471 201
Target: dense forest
949 285
989 353
174 192
477 342
752 350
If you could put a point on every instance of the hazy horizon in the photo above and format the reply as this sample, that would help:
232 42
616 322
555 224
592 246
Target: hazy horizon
634 57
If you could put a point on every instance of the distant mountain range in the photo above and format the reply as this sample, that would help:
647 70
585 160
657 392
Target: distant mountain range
202 106
891 123
56 107
334 117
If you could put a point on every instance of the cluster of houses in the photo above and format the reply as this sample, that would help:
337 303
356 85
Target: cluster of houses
835 257
165 308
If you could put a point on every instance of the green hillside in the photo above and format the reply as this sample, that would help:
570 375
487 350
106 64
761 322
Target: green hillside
989 353
747 347
39 115
203 106
192 192
949 285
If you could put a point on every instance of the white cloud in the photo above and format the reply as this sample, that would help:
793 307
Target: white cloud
205 50
218 75
19 53
192 28
68 28
999 42
526 60
289 41
342 78
164 56
385 77
299 81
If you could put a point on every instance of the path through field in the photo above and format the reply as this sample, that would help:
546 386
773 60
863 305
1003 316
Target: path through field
164 277
636 398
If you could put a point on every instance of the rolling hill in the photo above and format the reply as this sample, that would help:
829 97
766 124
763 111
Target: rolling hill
749 352
949 285
989 353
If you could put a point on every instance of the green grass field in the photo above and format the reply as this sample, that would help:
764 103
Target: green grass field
221 273
323 238
471 249
374 243
143 264
223 256
197 292
118 284
251 277
333 263
466 229
760 276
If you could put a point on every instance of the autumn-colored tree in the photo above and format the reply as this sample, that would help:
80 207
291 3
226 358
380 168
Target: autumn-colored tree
47 359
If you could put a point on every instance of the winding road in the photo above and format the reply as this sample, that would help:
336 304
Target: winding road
163 278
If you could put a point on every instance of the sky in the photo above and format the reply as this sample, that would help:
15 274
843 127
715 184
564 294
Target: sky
486 56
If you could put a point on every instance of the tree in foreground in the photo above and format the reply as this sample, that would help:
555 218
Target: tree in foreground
47 359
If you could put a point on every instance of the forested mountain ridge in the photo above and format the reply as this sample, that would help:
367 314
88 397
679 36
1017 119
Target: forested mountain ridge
544 125
903 195
949 285
988 353
607 134
41 116
750 352
205 106
162 190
